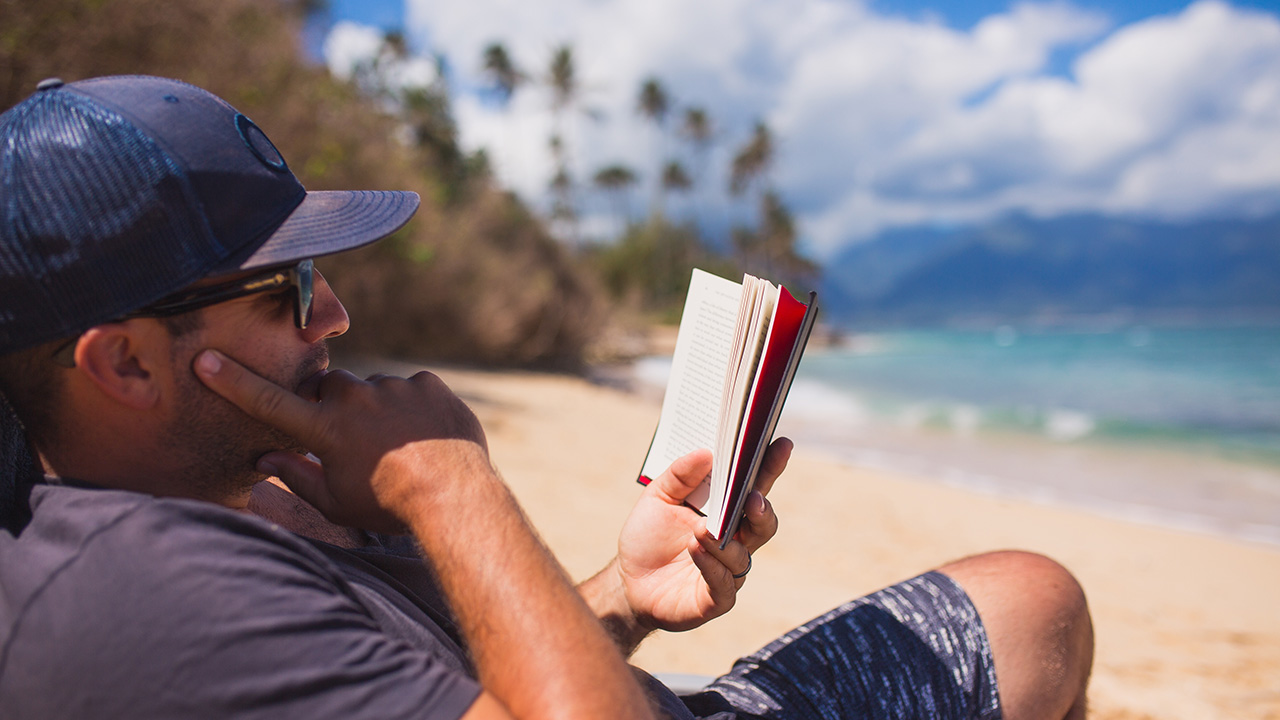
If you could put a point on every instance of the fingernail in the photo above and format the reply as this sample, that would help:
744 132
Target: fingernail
208 363
267 468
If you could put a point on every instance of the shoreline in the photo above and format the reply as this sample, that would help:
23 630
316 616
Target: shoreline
1186 624
1151 483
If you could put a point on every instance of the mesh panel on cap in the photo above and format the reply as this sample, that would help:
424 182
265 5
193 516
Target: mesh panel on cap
94 220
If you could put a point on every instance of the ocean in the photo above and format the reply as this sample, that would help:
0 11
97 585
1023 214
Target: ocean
1178 426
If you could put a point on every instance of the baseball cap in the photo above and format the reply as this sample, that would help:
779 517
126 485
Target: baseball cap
118 191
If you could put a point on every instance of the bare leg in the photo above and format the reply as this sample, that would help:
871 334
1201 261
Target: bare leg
1041 635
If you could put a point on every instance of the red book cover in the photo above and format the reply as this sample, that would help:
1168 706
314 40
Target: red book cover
788 320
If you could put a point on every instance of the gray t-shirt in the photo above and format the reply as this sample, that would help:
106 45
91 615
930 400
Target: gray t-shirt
115 604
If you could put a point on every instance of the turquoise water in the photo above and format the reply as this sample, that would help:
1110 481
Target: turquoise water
1209 389
1174 426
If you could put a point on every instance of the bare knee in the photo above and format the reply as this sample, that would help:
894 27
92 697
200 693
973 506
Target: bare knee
1038 623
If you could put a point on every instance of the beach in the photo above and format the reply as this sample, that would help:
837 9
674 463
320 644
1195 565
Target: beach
1187 624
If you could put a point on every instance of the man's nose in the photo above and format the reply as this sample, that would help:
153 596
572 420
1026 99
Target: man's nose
328 317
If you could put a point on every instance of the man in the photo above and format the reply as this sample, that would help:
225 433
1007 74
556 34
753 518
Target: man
162 341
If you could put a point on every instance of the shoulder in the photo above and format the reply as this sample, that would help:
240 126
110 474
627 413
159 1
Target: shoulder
220 609
95 562
102 537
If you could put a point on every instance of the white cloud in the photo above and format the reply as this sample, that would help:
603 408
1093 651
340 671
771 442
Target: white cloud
348 44
885 121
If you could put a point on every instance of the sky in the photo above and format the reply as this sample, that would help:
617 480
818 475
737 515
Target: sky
886 114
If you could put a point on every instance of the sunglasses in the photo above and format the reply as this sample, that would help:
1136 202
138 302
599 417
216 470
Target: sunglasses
299 279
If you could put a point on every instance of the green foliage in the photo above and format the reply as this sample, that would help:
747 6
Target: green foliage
674 177
653 102
648 268
474 277
502 71
563 77
769 250
753 160
614 177
696 127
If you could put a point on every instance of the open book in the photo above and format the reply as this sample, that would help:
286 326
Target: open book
736 354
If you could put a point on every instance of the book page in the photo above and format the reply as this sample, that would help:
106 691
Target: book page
757 312
782 349
691 406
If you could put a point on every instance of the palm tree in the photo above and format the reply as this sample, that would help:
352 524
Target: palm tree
397 43
563 78
654 101
753 160
674 178
502 72
696 127
779 236
374 75
506 79
563 81
653 104
562 210
750 167
696 130
616 180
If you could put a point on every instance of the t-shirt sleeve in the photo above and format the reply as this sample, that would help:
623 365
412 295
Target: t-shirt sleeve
202 613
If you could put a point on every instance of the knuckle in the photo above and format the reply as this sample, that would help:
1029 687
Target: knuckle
427 378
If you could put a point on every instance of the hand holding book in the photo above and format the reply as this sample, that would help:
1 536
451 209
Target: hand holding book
736 353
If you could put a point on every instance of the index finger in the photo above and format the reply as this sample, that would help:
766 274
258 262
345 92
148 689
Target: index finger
775 461
258 397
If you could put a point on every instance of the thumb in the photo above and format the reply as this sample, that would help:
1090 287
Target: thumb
684 476
304 476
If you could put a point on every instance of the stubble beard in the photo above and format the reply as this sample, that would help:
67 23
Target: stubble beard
219 442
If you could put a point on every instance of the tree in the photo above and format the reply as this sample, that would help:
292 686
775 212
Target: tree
653 104
426 112
695 129
770 249
502 72
750 166
562 78
477 280
395 43
674 178
616 180
753 160
505 78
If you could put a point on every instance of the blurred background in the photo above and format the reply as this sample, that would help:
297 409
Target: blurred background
1046 236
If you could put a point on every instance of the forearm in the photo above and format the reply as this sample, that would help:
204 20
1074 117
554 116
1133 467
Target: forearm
402 452
536 644
604 594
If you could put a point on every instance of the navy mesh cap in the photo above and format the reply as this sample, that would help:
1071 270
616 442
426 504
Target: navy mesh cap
117 191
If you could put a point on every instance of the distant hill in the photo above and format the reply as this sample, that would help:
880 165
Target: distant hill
1058 271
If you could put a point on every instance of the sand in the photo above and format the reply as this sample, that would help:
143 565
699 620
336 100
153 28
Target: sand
1188 625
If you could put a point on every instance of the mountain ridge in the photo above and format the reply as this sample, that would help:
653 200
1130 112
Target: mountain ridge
1059 271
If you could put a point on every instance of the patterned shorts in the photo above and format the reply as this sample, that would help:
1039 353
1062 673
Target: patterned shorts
914 650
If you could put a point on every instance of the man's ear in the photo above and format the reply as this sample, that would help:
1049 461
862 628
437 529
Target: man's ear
120 360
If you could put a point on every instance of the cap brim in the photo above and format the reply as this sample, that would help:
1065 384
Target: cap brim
330 221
